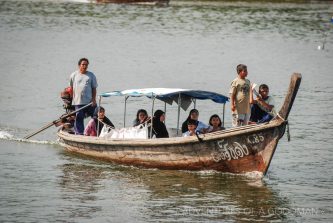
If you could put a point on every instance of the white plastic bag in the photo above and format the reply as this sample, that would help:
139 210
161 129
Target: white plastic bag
137 132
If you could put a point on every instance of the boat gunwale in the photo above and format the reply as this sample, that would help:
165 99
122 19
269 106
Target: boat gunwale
174 140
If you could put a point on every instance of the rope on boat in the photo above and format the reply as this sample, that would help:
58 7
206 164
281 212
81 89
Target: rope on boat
200 139
288 132
278 115
287 126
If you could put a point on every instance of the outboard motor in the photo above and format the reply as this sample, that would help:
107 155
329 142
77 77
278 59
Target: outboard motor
67 96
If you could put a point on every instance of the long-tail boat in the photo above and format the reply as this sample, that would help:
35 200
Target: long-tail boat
236 150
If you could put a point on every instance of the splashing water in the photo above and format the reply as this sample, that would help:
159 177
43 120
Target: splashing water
8 136
254 175
5 135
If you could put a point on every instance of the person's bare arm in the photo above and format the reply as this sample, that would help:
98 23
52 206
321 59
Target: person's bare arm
251 94
232 102
93 100
264 104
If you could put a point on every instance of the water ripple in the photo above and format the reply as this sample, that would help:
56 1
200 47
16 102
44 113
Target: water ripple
293 20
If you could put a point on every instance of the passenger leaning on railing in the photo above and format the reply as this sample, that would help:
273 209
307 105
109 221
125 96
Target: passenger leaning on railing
263 106
141 117
99 116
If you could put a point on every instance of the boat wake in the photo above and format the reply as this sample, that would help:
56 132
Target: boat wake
255 175
5 135
82 1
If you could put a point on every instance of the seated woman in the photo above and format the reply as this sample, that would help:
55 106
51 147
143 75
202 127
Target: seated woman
194 115
192 126
99 116
141 117
159 128
215 123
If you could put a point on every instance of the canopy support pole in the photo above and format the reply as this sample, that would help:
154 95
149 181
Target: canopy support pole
152 116
179 103
125 110
223 115
195 102
164 110
99 107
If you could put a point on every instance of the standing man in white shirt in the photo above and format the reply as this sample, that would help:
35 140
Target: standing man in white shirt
84 85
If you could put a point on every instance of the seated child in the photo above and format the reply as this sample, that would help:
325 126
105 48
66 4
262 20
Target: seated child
194 115
215 123
191 126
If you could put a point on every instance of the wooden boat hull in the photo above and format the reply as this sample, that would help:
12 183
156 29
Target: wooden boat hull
226 152
236 150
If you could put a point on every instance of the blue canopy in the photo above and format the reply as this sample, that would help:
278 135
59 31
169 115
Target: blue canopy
170 95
